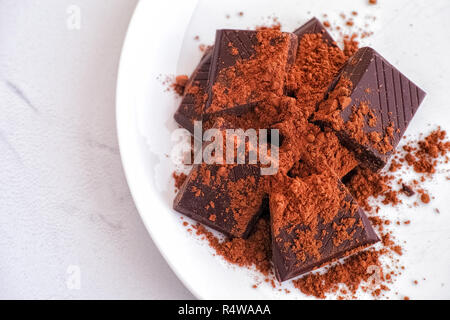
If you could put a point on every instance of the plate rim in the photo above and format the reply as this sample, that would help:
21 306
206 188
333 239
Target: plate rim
123 136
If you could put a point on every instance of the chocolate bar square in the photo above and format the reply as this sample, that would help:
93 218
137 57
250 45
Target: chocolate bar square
369 106
226 197
323 146
315 221
248 67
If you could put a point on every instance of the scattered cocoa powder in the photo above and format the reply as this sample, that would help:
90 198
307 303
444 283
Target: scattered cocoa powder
306 83
422 156
255 79
394 166
407 190
352 273
316 65
365 184
306 201
179 179
179 84
256 251
329 113
425 198
203 47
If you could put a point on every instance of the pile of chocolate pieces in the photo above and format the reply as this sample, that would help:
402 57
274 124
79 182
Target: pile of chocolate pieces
230 198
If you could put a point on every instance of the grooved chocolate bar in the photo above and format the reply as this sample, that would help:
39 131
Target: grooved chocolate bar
247 67
313 225
370 106
314 26
192 103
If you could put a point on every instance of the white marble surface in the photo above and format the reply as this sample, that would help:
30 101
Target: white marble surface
64 202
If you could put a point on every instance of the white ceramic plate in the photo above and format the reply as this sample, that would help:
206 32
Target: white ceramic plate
413 35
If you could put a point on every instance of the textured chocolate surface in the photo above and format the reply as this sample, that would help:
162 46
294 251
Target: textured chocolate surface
286 263
211 203
228 198
244 41
190 108
314 26
393 99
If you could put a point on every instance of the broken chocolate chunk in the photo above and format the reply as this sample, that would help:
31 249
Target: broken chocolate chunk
193 100
370 106
315 221
247 68
226 197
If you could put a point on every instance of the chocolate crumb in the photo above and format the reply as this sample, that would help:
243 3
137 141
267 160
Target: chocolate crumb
425 198
407 190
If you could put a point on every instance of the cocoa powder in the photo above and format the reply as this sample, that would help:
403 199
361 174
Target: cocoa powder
421 156
256 251
305 84
179 179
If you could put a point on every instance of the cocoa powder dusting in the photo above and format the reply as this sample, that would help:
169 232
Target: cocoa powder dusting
255 79
352 273
179 179
307 201
179 84
300 193
316 64
422 156
246 194
329 112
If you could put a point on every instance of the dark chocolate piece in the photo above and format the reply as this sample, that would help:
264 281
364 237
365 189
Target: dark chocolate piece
232 69
384 97
191 105
314 26
303 246
225 198
228 198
